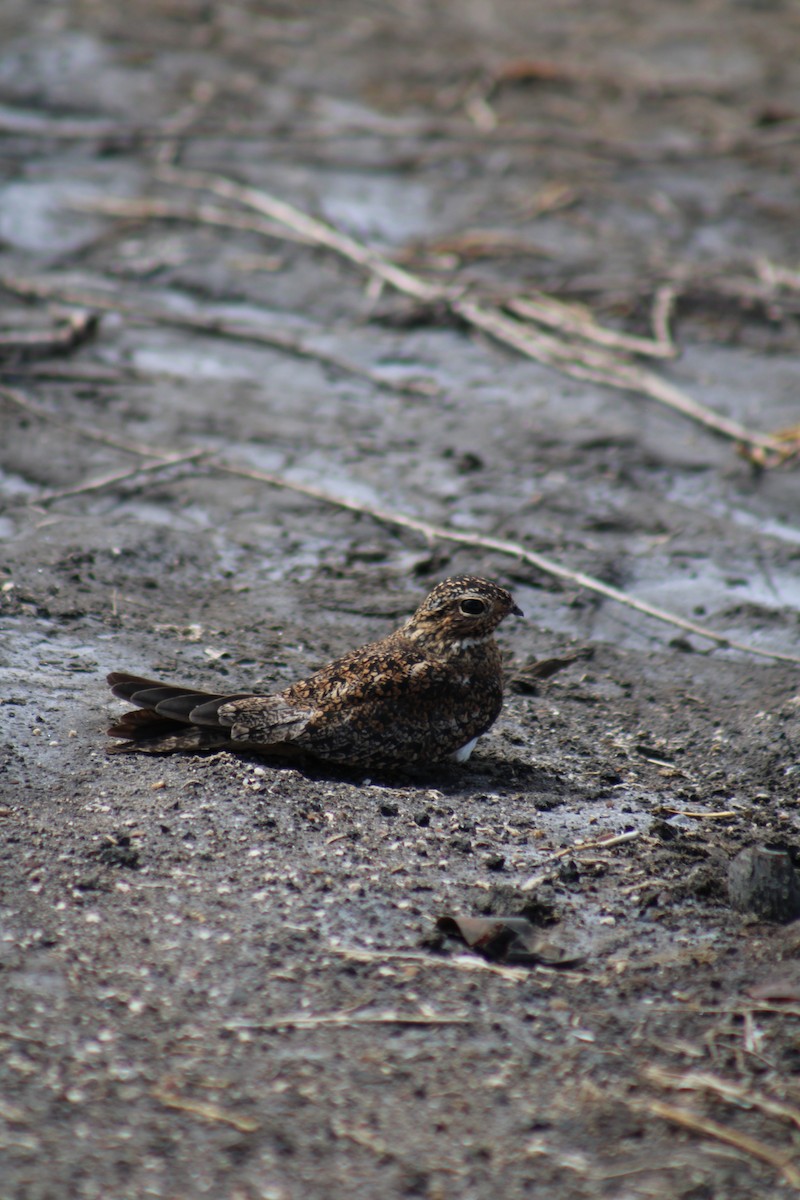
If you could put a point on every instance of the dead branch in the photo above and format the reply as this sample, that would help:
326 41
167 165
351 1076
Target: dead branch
598 367
776 276
617 839
721 815
548 566
129 446
104 481
70 331
209 1112
217 327
726 1089
581 363
430 532
319 232
180 123
578 321
452 132
139 209
347 1018
410 958
779 1160
663 308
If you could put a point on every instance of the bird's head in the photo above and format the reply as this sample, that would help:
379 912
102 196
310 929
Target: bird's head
461 612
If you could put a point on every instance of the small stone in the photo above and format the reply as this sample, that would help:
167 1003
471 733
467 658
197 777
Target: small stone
763 882
568 871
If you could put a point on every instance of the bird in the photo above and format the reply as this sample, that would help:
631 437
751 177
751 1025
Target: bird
423 694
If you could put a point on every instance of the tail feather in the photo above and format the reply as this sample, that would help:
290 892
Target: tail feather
124 685
153 696
163 711
141 724
169 718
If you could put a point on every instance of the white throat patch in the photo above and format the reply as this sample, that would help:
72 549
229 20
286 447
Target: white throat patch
466 642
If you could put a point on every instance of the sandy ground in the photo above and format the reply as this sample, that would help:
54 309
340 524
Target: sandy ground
220 976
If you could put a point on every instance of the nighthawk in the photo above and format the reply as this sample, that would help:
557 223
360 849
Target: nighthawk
424 693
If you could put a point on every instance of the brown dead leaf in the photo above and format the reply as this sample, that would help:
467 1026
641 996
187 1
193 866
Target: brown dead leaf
512 940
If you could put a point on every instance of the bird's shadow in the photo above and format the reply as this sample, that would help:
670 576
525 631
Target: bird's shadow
483 773
488 772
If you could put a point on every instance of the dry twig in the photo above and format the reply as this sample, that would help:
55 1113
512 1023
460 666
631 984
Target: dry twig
577 321
663 305
209 1112
582 363
601 367
604 843
448 134
777 276
71 329
548 566
429 531
139 209
412 959
723 814
780 1160
129 446
301 1020
726 1089
217 327
104 481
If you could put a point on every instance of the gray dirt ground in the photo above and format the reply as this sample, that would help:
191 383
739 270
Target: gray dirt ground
175 929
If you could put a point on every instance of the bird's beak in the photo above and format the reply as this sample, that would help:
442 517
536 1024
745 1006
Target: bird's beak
517 611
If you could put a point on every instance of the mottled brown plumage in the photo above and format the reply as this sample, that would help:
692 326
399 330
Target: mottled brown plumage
422 694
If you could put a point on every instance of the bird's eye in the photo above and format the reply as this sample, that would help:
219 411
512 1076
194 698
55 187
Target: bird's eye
473 608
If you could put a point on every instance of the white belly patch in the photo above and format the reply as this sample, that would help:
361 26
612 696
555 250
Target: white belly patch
463 754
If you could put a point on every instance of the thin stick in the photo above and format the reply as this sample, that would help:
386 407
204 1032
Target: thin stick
663 307
410 958
181 122
316 1020
779 1160
777 276
209 1112
218 327
20 400
198 214
614 839
301 1020
585 364
365 1138
454 130
430 532
581 365
702 1081
725 814
433 533
315 230
630 835
574 319
104 481
69 332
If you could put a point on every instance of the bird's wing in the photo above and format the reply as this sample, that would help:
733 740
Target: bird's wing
383 705
327 713
262 720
